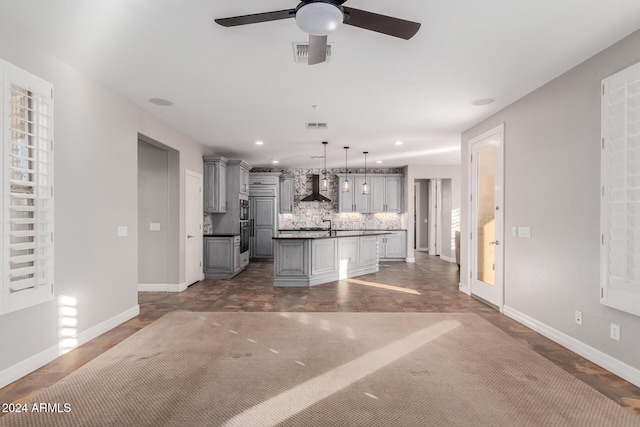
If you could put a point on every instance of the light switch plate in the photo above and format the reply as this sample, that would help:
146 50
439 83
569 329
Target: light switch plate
524 232
154 226
123 231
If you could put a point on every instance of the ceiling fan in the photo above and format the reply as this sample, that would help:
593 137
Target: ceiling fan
320 17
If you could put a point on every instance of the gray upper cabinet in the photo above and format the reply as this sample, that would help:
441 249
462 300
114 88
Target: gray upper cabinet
354 200
347 203
287 187
385 194
237 178
244 178
215 184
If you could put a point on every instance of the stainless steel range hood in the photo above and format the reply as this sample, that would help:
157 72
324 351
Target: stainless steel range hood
315 195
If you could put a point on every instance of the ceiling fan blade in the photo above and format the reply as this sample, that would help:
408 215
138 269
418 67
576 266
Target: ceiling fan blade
317 49
256 18
381 23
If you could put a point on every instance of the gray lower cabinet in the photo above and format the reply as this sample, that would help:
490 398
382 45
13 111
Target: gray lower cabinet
222 258
393 246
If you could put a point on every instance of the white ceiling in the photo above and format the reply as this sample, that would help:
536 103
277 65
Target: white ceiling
233 86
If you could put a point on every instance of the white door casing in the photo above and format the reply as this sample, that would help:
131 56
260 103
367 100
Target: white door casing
486 216
193 227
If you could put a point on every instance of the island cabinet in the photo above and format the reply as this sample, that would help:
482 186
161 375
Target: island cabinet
393 246
215 184
222 259
308 259
386 193
287 189
353 200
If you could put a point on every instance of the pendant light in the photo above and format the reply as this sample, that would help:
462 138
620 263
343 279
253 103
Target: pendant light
324 184
345 184
365 186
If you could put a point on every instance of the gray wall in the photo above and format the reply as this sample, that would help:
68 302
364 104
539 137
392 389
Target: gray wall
153 207
552 184
96 137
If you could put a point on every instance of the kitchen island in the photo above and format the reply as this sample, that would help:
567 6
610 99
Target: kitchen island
309 258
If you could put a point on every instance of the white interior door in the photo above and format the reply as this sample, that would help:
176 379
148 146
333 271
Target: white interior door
435 215
193 226
487 216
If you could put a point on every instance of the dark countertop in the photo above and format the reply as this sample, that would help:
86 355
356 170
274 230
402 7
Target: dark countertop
298 234
303 229
222 235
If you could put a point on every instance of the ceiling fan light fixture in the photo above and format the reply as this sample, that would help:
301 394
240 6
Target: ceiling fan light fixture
319 18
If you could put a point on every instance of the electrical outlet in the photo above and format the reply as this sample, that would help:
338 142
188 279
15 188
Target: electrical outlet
615 332
578 317
123 231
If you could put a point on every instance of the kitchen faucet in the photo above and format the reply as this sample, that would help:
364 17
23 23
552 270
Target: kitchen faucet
329 221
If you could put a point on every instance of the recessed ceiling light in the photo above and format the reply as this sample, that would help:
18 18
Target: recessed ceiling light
259 143
274 162
161 102
378 161
399 143
483 101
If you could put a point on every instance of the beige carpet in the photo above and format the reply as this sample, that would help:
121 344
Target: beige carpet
317 369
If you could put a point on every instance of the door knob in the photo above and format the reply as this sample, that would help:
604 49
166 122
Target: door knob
189 236
497 242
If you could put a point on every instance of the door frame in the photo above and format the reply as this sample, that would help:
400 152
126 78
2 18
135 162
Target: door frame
498 132
199 237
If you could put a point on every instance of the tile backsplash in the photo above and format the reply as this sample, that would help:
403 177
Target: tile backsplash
311 214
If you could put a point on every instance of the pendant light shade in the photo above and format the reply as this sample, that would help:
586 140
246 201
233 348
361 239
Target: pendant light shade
324 184
365 186
345 184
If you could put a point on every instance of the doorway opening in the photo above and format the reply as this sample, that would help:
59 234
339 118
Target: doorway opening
433 226
158 216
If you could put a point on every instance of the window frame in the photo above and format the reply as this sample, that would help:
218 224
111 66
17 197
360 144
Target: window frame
620 188
32 181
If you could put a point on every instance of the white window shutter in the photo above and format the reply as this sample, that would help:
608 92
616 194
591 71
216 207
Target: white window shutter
620 177
27 189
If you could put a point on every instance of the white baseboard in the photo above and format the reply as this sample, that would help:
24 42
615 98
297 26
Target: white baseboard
464 288
448 259
412 259
610 363
20 369
162 287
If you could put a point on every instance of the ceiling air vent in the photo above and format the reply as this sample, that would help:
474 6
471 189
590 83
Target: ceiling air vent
301 52
316 126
